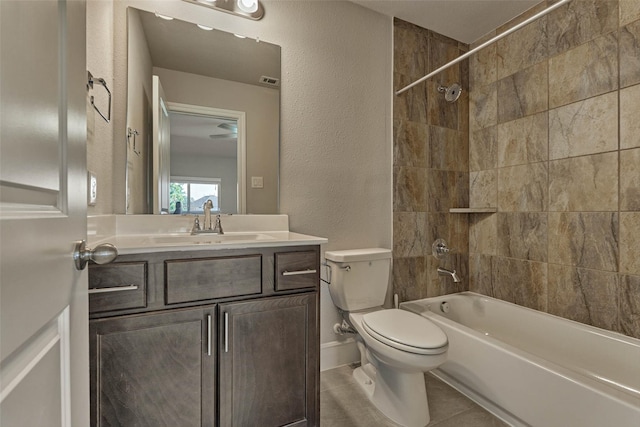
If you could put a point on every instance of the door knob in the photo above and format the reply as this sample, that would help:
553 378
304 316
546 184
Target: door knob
102 254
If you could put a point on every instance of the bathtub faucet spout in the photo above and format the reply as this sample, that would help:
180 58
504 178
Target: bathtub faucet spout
453 274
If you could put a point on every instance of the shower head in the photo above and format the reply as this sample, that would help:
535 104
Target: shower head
451 93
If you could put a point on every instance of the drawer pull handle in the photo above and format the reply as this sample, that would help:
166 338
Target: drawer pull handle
296 273
114 289
209 335
226 332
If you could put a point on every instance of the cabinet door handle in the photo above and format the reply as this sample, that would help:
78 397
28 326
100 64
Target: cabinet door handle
209 335
226 332
295 273
114 289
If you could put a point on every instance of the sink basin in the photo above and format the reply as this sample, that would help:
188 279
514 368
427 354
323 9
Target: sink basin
184 239
207 239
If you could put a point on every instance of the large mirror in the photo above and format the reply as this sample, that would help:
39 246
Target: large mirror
203 118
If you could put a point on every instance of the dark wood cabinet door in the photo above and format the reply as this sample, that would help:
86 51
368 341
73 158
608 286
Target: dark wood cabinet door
154 369
269 362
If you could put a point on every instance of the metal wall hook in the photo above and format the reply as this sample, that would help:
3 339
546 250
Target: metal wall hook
133 133
90 81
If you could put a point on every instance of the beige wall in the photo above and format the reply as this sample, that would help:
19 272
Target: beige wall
261 105
430 165
555 146
335 151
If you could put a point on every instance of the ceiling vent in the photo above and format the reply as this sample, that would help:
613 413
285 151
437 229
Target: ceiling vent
271 81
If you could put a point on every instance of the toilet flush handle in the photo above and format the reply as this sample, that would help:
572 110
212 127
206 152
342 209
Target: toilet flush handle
326 264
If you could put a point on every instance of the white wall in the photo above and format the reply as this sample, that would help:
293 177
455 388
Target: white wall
336 130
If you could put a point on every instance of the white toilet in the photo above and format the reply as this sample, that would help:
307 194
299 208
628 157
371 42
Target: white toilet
399 346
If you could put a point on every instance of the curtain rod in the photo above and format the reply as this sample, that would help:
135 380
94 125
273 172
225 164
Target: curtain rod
483 45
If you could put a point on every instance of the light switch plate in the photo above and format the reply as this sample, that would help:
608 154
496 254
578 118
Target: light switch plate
92 188
257 182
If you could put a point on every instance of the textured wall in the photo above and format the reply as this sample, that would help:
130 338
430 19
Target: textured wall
555 146
430 164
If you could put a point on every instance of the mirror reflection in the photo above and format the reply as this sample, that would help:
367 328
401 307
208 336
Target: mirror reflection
203 119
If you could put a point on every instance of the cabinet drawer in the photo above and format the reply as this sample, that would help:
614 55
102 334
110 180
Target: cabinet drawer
296 270
117 286
210 278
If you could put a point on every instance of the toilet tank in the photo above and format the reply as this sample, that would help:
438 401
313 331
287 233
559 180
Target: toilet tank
359 277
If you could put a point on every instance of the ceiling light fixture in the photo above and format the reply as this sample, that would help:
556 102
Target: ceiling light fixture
204 27
250 9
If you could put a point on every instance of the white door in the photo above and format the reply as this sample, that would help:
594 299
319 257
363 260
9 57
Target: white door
161 150
44 367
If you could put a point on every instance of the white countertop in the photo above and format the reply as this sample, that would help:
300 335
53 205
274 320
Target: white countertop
132 234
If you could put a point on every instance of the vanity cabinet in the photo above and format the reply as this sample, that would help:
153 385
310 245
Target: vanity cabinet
221 338
268 362
154 369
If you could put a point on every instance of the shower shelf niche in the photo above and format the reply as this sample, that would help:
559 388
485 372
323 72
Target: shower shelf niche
473 210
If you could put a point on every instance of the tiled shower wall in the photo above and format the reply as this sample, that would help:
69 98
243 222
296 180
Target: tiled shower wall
430 165
554 145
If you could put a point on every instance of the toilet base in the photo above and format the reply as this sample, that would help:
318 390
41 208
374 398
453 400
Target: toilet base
400 396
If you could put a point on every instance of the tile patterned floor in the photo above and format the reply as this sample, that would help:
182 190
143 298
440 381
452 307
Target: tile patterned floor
343 404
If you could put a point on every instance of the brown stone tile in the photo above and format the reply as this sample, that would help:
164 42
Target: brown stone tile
483 104
585 127
522 235
524 140
587 183
447 190
522 49
444 284
410 143
630 242
629 123
483 146
523 93
586 296
409 189
579 21
585 71
630 54
587 240
629 11
480 277
453 228
409 234
483 66
409 278
520 282
441 112
483 189
630 305
448 149
412 104
630 180
483 232
410 51
523 188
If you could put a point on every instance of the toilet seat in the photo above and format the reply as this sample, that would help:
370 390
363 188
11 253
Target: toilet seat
405 331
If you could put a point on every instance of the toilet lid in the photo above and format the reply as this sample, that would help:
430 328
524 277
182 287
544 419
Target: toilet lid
405 331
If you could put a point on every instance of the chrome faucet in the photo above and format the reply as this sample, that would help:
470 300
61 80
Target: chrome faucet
206 227
453 274
208 205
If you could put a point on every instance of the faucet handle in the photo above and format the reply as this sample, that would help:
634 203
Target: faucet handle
439 249
196 225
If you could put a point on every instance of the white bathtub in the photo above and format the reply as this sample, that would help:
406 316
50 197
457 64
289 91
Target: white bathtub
534 369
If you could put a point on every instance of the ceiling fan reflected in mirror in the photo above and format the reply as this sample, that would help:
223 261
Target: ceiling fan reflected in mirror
231 127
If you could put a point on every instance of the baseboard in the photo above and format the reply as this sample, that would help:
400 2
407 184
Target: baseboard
338 353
